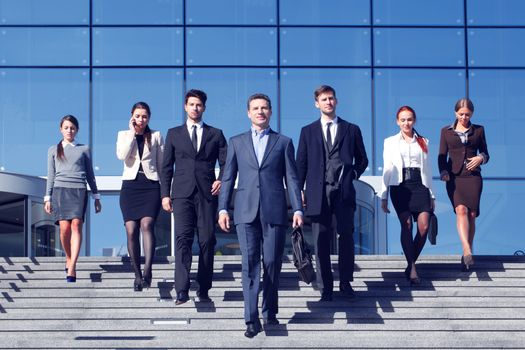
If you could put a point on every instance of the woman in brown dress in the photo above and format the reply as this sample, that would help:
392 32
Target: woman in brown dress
462 149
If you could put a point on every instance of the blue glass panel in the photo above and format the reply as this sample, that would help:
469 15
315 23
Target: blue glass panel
44 46
44 12
432 94
496 47
232 46
325 46
322 12
417 12
250 12
496 12
137 46
353 89
498 97
114 93
106 229
426 47
228 90
33 102
137 12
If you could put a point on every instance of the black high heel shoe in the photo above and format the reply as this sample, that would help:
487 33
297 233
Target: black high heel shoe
466 262
137 284
146 282
71 279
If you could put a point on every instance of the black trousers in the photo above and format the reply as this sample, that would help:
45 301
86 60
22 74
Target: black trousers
335 214
195 214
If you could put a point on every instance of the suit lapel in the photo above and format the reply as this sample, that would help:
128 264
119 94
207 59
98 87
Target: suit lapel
248 145
272 140
186 139
318 135
342 128
205 136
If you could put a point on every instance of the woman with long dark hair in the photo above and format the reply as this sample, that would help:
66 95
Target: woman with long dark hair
141 150
462 150
69 167
408 177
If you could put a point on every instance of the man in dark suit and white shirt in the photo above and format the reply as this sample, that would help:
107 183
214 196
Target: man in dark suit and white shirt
262 160
330 155
194 148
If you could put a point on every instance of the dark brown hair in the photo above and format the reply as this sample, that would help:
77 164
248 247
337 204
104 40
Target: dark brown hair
201 95
259 97
464 103
420 140
322 90
147 130
60 148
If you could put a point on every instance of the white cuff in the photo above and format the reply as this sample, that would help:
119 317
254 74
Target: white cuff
47 198
95 195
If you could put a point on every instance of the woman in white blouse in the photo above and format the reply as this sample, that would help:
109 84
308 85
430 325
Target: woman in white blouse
407 176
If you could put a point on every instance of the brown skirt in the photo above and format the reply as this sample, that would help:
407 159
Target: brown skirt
465 189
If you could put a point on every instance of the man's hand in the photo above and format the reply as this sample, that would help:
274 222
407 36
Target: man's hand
166 204
297 220
216 188
224 222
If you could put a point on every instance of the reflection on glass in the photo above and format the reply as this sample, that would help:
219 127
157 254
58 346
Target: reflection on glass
12 227
354 92
250 12
325 46
44 47
321 12
496 47
431 92
496 12
161 89
228 91
428 47
498 96
417 12
137 46
32 12
232 46
45 235
137 12
33 102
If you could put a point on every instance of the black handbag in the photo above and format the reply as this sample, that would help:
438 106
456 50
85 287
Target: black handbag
432 228
301 256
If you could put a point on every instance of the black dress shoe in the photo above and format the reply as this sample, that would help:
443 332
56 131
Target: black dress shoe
347 290
252 329
71 279
326 297
270 321
182 297
137 284
203 297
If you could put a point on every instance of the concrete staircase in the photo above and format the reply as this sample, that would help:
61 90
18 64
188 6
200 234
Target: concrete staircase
484 308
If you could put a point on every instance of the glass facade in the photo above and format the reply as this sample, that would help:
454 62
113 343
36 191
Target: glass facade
95 58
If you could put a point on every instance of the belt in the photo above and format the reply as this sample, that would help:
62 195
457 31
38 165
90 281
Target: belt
409 173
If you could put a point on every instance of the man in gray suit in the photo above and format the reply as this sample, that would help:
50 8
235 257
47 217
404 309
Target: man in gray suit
262 159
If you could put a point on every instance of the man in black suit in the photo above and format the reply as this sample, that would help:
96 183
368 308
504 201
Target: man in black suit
194 148
330 155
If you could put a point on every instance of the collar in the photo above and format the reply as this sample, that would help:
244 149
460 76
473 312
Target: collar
189 124
259 133
401 138
334 121
73 144
455 123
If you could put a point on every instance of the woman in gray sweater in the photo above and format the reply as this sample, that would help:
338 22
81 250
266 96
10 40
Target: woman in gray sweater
69 167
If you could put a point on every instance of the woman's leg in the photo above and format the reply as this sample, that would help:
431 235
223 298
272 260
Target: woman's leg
421 236
133 234
147 226
472 228
76 242
463 225
407 243
65 239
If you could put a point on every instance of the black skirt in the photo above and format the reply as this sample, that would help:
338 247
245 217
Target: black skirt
140 198
68 203
411 195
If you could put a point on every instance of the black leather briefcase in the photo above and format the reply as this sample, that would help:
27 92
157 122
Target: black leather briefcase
301 256
432 229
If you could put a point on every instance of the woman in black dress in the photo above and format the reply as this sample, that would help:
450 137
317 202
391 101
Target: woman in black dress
141 150
462 149
407 175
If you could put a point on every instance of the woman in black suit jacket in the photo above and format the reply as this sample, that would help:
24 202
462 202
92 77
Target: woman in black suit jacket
462 150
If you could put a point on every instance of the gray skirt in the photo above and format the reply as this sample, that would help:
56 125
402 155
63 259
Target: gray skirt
69 203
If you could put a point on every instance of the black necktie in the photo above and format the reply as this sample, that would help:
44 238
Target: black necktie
194 137
329 136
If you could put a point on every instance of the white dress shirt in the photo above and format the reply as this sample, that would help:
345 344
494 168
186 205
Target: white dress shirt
410 152
189 125
333 128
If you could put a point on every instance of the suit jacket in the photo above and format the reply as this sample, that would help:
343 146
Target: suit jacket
191 168
127 150
311 162
453 153
393 166
260 187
